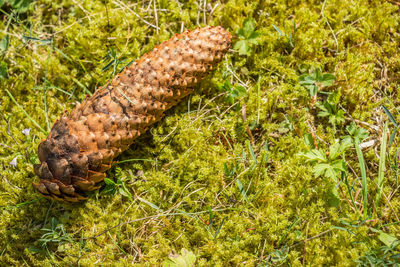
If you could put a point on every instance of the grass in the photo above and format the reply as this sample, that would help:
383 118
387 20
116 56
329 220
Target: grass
286 155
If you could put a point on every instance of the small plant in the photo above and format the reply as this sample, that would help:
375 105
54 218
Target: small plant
355 133
289 36
233 92
55 234
248 37
329 109
210 223
388 255
112 60
316 80
330 166
277 257
118 186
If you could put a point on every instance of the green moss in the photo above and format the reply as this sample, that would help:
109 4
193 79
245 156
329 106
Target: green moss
195 183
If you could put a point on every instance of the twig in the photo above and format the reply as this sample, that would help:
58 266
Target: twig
204 12
311 238
156 17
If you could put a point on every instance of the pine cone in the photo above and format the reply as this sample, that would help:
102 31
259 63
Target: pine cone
81 146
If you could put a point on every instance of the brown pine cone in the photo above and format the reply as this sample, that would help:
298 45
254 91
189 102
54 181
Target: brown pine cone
81 147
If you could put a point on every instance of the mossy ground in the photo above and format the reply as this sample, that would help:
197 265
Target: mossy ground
232 189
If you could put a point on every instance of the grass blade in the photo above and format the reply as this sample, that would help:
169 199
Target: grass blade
252 154
391 118
349 189
392 136
382 158
82 86
219 228
363 175
26 114
242 192
154 206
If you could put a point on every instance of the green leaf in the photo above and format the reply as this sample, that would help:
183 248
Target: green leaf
309 141
387 239
243 47
312 89
339 166
382 158
241 91
392 136
249 26
314 155
20 6
318 75
185 259
5 42
334 150
109 181
226 86
331 173
357 133
320 169
345 144
252 154
123 190
327 79
306 79
391 118
253 38
278 30
3 70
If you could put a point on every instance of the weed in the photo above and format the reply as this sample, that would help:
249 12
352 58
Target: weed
233 92
382 256
117 186
210 224
355 133
112 60
289 36
54 235
277 257
330 166
248 37
316 80
329 109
